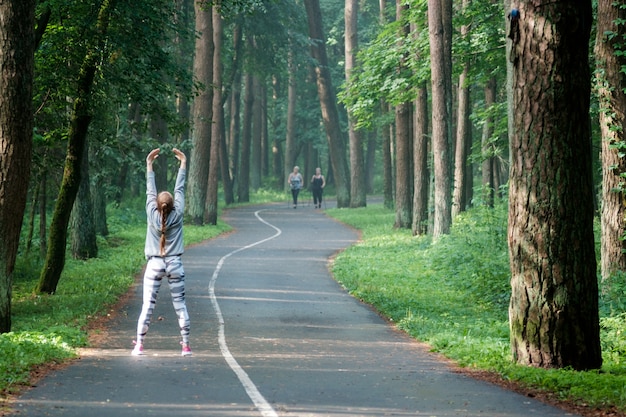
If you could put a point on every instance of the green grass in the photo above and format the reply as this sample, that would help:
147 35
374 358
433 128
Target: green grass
453 294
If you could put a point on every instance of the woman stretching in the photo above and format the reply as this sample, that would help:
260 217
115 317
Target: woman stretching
164 247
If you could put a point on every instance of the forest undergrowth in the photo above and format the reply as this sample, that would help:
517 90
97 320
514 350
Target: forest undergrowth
453 294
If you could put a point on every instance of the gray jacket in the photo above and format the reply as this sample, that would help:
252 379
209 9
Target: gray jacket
174 224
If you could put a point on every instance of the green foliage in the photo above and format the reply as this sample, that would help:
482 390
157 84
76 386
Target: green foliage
453 294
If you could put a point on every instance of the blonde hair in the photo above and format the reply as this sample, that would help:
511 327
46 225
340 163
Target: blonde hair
165 205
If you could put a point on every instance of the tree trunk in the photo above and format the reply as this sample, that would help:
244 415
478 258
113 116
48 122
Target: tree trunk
440 129
17 46
421 172
217 118
83 230
611 85
387 154
243 191
463 129
488 172
256 148
370 161
290 137
234 106
79 125
202 116
328 104
357 173
553 311
404 146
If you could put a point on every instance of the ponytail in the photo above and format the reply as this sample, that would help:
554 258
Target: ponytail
165 205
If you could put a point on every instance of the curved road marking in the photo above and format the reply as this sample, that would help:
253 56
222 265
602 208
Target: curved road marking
259 401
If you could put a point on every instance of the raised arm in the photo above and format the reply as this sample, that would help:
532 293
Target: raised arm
154 154
181 157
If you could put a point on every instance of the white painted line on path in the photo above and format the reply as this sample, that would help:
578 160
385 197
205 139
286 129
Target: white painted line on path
259 401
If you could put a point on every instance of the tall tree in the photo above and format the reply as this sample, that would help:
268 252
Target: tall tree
290 134
358 189
463 131
17 47
440 128
488 159
243 186
421 172
328 103
553 310
610 61
217 116
83 228
79 126
404 122
202 114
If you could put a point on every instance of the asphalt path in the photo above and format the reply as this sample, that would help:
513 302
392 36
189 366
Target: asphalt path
272 335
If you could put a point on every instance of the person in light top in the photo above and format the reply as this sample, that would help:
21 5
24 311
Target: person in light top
163 250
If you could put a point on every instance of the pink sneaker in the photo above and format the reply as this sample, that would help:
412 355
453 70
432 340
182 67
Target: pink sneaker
186 350
138 350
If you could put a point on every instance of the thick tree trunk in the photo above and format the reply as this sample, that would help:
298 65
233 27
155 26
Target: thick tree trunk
357 174
81 117
202 116
553 311
421 172
217 119
17 46
440 128
328 104
83 229
611 85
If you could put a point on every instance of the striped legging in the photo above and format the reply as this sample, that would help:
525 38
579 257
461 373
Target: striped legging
156 269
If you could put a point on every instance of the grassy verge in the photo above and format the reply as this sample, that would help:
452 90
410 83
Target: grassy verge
453 294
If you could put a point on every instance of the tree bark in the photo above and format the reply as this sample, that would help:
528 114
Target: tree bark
553 311
290 137
17 46
611 85
358 189
243 191
83 230
81 118
463 135
256 148
202 115
328 104
421 171
488 169
217 117
440 128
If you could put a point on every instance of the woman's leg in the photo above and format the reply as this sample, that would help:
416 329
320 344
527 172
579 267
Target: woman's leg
155 270
176 281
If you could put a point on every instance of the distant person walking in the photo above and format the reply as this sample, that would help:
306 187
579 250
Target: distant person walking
317 186
295 183
163 250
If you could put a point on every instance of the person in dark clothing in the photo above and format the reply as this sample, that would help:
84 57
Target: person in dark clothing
317 186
